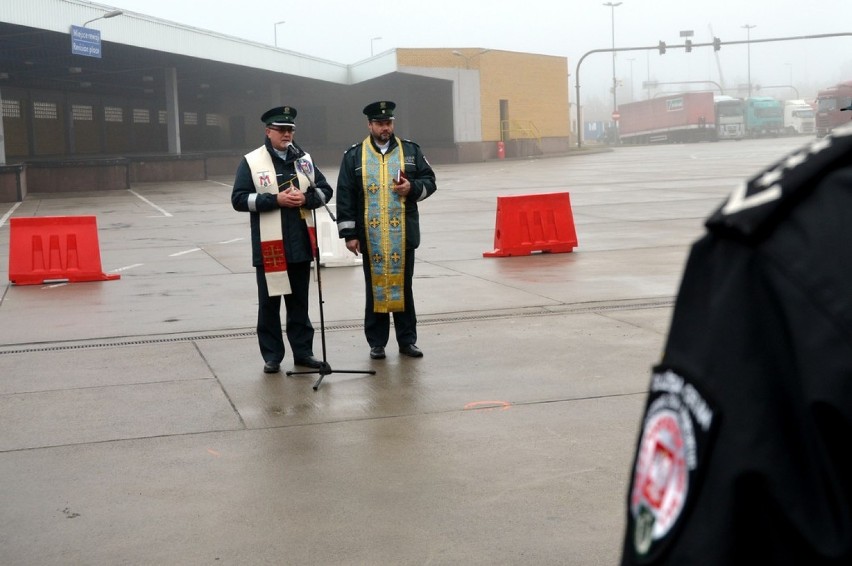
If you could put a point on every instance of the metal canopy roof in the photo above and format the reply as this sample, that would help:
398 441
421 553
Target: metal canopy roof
35 53
40 59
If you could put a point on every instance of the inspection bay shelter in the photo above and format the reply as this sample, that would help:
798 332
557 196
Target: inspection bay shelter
93 99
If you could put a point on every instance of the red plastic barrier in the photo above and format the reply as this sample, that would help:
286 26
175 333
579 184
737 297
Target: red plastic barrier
50 249
533 223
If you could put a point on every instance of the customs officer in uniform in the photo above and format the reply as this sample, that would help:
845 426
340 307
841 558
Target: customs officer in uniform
743 456
278 185
382 180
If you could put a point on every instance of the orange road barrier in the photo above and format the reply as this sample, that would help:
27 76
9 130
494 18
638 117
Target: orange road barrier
53 249
533 223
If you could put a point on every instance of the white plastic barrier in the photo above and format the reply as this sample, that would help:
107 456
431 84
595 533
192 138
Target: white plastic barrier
332 249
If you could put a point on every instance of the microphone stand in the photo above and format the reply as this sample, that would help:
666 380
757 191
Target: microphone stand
325 368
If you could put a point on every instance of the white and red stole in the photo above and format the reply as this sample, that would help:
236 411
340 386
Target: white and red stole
271 234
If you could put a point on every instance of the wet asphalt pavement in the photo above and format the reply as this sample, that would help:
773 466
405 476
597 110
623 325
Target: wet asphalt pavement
137 425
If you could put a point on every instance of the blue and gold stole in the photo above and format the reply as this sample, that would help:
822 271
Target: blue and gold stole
384 219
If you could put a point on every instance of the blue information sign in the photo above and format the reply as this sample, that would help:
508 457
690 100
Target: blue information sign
85 41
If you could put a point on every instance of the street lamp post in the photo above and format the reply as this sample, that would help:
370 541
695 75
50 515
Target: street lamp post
372 40
687 35
648 74
467 59
106 16
748 28
275 27
612 6
458 53
632 97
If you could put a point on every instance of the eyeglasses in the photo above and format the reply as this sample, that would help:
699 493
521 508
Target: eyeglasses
282 128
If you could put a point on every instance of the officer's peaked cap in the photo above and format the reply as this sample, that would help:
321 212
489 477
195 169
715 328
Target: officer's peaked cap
280 116
382 110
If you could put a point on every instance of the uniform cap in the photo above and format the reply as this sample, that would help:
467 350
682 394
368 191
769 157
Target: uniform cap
279 116
382 110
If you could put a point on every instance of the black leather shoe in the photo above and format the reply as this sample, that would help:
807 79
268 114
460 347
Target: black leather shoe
271 367
377 353
309 362
411 351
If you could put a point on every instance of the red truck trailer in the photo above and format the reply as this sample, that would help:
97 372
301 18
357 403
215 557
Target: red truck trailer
829 102
686 117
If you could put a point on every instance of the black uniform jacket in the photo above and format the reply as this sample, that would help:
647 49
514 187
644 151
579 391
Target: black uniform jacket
745 454
297 244
350 192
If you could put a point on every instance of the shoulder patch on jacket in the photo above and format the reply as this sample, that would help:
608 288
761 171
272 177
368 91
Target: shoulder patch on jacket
676 437
756 206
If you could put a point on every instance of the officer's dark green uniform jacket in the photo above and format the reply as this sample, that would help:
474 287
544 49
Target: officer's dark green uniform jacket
744 453
350 192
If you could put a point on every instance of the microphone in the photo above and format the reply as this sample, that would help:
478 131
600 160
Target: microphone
313 187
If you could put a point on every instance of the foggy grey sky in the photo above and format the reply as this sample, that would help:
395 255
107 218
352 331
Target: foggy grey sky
340 31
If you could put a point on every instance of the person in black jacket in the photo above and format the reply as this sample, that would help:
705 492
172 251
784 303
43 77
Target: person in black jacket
384 177
278 185
743 456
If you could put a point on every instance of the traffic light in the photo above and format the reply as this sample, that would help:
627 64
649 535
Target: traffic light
662 47
688 45
717 44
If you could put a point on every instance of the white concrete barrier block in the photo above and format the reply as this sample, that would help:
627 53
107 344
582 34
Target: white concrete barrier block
332 248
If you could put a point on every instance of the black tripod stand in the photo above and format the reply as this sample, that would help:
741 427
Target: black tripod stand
325 369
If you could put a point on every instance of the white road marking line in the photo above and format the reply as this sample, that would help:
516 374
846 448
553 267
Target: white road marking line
8 214
126 267
143 199
185 252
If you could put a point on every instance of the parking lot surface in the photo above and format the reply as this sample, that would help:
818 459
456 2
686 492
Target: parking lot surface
137 425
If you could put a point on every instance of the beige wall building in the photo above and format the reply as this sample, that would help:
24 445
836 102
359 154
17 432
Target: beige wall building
521 99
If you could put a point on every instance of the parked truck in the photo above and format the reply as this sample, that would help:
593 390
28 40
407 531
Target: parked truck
764 116
686 117
799 117
828 104
730 117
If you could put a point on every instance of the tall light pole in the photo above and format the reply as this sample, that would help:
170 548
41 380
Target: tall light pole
790 69
458 53
632 97
467 59
372 40
612 6
275 27
748 28
687 35
648 74
106 16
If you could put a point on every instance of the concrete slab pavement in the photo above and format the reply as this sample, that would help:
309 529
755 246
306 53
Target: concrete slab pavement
137 427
